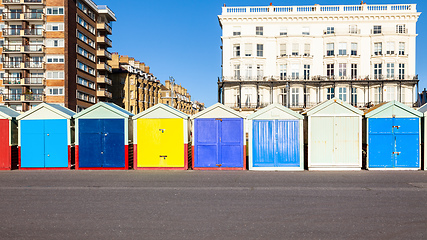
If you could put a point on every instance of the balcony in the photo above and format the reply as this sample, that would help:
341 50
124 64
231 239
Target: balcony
33 16
14 32
32 81
104 93
104 27
104 40
103 54
30 2
12 97
32 97
104 67
23 49
23 65
103 79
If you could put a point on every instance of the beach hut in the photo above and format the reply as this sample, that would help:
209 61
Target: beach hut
161 136
8 138
218 139
45 137
334 136
103 134
423 110
276 139
393 137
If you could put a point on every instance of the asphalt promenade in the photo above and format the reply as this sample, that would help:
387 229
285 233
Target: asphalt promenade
213 205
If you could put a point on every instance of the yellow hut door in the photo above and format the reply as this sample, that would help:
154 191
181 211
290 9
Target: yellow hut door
160 143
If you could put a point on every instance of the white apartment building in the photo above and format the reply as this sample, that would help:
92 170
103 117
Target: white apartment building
300 56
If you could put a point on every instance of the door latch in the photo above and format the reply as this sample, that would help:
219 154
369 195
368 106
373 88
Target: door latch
164 156
219 119
162 130
397 127
218 165
396 153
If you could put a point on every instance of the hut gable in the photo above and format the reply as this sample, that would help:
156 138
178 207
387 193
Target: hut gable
7 113
392 109
47 111
161 111
218 110
335 107
275 111
103 110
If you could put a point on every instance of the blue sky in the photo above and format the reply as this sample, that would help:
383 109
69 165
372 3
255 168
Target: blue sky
182 38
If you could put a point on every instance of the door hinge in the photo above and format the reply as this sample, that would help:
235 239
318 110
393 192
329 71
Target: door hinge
396 153
219 119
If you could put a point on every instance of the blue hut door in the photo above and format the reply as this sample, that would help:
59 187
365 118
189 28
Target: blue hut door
276 143
113 143
56 144
393 142
44 143
218 142
101 143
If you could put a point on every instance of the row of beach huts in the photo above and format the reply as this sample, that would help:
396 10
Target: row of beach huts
331 136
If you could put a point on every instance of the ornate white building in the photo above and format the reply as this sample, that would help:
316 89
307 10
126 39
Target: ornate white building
302 55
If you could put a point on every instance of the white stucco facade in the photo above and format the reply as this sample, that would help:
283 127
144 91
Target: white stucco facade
299 56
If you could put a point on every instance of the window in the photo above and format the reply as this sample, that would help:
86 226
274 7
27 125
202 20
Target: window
354 96
54 42
390 93
305 31
330 93
85 68
342 70
283 31
295 49
283 97
306 72
55 59
54 11
354 49
55 27
352 29
295 71
401 48
55 91
330 30
237 71
260 71
259 31
236 50
377 29
353 71
342 48
401 71
390 48
85 53
248 49
330 49
85 39
85 24
342 93
295 97
378 48
85 97
330 70
400 28
86 10
248 73
377 95
260 50
282 50
54 75
237 31
390 70
282 69
307 49
378 71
